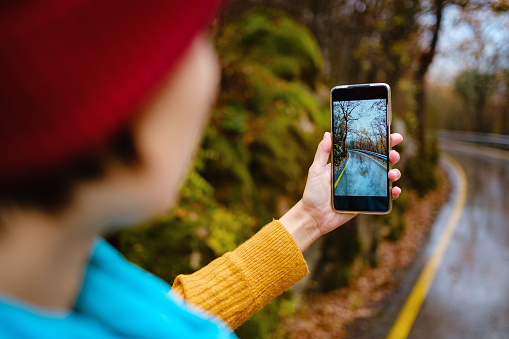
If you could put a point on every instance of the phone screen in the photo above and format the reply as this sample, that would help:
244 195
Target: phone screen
360 131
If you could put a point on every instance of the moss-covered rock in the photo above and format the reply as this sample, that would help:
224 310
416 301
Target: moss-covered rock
271 38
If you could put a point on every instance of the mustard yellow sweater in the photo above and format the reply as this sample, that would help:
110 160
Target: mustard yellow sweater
238 284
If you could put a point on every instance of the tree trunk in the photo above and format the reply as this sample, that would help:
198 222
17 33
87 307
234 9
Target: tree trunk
424 62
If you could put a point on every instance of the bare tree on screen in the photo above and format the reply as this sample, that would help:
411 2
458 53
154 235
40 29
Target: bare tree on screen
379 125
345 112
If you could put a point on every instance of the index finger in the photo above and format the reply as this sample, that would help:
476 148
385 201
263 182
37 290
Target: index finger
396 138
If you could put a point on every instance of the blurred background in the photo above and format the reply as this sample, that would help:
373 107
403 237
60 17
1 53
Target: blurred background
447 63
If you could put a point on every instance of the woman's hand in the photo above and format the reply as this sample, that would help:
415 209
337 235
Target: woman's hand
313 216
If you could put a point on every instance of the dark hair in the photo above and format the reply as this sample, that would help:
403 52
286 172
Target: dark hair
52 190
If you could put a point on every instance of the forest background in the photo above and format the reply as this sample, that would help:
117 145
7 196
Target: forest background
279 60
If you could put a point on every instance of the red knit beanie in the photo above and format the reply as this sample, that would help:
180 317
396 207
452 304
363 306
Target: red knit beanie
72 71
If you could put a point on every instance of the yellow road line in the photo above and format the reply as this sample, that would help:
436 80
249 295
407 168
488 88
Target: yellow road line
372 158
337 181
408 313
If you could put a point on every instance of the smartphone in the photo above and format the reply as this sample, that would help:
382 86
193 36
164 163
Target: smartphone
360 122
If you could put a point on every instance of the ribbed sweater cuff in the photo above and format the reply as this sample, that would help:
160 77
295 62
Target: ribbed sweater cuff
240 283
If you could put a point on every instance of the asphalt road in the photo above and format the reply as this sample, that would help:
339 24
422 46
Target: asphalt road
363 176
469 295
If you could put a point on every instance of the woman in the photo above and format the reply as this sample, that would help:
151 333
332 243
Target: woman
102 108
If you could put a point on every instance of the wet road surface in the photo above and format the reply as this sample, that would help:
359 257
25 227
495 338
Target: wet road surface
469 296
363 176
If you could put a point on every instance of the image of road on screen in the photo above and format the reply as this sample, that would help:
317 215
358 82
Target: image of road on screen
360 147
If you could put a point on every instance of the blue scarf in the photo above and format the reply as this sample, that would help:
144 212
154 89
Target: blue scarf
117 299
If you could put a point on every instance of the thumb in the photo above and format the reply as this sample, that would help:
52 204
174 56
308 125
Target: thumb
323 151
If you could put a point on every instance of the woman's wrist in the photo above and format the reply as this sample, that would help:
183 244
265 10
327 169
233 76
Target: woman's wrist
301 225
